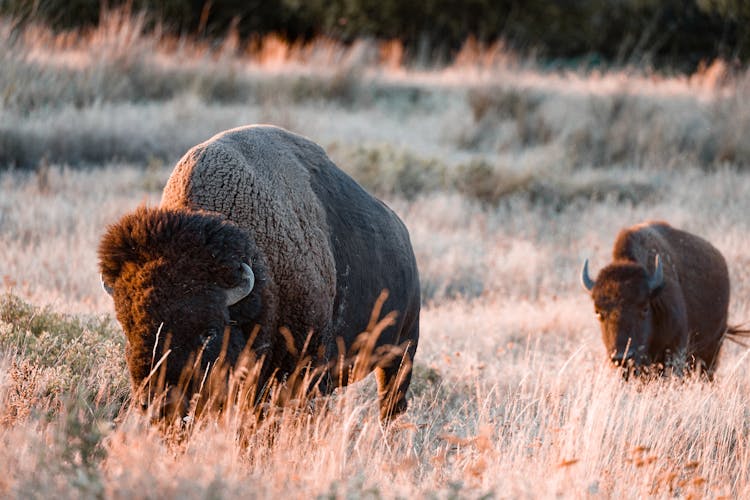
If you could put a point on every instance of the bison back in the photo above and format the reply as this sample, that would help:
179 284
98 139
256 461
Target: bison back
331 247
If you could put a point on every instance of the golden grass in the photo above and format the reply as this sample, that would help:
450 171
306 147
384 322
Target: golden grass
511 394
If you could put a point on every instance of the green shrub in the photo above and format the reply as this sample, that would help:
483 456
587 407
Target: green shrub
387 171
75 349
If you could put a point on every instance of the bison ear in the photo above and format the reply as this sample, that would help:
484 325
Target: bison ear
114 257
122 243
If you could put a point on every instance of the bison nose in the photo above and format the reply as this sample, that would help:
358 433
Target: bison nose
175 404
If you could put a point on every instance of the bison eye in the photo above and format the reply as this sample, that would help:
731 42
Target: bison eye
599 315
207 337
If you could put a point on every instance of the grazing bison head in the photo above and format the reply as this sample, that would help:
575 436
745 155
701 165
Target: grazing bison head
176 278
623 294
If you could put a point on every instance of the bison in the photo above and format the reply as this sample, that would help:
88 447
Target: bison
262 244
662 301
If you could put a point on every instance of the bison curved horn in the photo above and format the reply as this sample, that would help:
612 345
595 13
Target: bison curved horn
656 280
586 280
238 293
105 286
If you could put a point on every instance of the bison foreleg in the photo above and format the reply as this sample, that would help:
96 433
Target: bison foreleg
393 381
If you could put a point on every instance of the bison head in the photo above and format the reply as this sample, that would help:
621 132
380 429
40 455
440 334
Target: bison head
176 277
623 294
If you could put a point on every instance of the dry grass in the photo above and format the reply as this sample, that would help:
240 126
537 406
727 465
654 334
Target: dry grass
506 176
137 95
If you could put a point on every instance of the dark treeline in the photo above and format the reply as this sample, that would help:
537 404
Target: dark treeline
671 33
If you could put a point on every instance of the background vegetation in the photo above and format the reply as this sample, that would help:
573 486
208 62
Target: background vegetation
677 33
507 174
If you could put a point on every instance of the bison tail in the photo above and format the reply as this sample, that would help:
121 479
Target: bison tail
737 332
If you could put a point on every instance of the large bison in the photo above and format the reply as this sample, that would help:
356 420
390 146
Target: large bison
663 301
261 243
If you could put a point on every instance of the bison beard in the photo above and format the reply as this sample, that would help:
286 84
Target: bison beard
269 295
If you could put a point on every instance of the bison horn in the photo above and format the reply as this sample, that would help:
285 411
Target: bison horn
238 293
105 286
657 279
586 280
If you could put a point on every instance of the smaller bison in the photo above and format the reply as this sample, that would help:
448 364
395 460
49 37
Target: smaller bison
663 300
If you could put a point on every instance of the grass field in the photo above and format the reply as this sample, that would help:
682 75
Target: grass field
507 177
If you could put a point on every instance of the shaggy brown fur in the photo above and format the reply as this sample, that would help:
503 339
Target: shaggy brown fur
325 249
168 271
685 319
260 179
